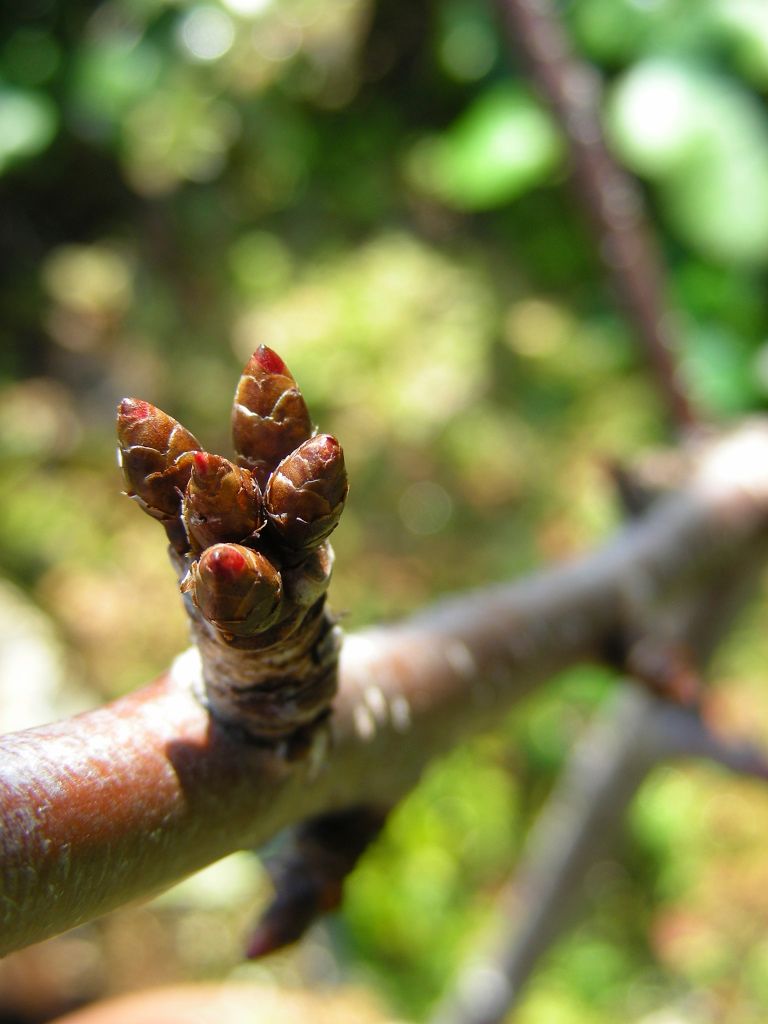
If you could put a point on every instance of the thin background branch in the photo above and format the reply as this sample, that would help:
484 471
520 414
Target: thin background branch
580 822
609 197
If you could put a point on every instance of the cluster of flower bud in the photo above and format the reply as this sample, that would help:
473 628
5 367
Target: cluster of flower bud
239 527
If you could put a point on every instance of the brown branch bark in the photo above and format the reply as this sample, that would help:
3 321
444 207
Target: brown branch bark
120 802
610 198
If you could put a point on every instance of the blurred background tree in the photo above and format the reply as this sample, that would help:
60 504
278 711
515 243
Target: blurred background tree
375 191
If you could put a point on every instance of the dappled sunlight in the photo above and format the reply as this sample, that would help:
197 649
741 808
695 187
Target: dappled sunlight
377 192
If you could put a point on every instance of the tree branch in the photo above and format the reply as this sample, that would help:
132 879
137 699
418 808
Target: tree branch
579 823
123 801
577 827
610 198
576 830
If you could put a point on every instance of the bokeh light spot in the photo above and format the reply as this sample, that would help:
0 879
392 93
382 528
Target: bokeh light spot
468 51
247 8
206 33
425 507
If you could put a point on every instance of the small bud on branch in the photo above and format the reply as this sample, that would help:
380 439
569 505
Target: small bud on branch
309 877
238 590
221 503
155 453
306 493
269 417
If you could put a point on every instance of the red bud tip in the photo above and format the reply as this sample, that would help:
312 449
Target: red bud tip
225 562
204 464
270 361
326 446
134 409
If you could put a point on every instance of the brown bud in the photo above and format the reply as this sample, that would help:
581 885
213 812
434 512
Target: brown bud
309 875
269 417
155 453
306 493
238 590
221 503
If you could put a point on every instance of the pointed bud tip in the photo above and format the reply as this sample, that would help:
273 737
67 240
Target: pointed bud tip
269 361
326 446
204 463
134 410
224 561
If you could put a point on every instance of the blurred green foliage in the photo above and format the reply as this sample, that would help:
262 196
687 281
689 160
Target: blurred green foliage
374 190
